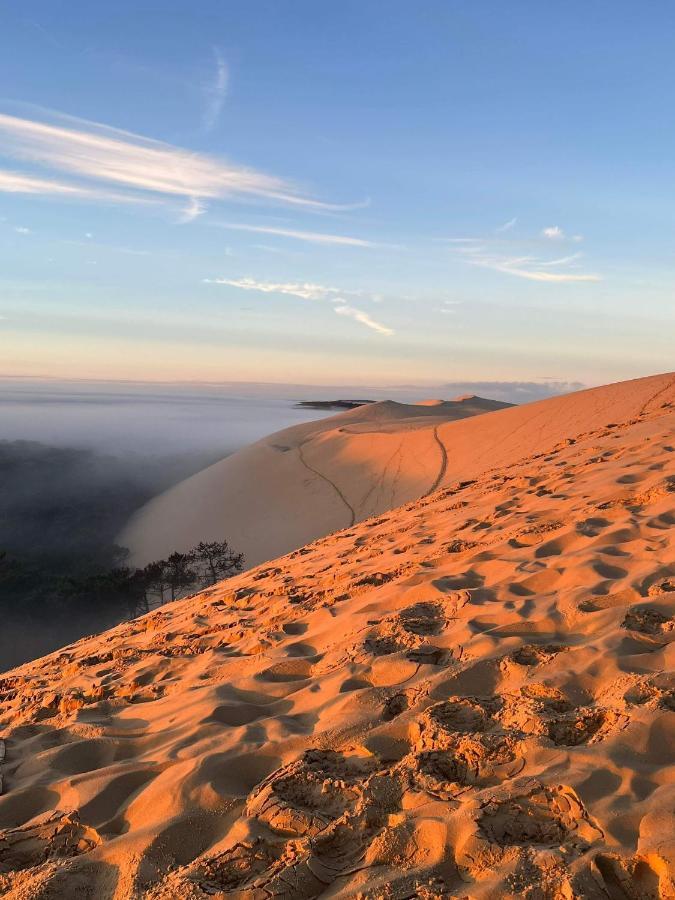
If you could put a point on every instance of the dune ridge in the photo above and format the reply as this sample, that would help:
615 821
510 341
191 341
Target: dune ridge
470 696
304 482
312 479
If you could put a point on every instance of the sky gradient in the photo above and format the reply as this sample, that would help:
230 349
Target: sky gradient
337 193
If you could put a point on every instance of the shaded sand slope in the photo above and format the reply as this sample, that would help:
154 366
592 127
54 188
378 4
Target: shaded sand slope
472 696
303 482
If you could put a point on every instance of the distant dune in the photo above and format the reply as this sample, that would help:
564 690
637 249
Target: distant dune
471 696
309 480
304 482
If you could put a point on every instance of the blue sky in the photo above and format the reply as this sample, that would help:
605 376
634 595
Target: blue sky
329 193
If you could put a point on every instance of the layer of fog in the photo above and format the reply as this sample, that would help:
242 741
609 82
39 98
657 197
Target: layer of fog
164 420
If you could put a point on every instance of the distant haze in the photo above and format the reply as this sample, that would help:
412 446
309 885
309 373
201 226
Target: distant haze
175 419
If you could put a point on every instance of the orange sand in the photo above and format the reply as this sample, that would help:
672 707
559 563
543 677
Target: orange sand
471 696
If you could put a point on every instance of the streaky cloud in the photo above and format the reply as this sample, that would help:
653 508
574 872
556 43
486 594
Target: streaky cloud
531 268
192 211
534 275
21 183
363 318
93 151
312 237
304 290
308 291
563 261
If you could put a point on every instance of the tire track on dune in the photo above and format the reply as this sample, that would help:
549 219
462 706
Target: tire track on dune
378 483
352 511
444 463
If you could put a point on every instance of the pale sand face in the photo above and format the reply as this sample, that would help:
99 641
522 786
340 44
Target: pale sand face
303 482
470 696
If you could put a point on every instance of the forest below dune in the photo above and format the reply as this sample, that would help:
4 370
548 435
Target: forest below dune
62 575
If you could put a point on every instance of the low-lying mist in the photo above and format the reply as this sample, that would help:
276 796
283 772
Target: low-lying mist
76 461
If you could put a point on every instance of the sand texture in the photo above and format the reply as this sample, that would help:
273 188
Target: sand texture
471 696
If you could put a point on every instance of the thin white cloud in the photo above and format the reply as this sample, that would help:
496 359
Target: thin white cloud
93 151
215 92
563 260
529 268
19 183
308 291
312 237
304 290
192 211
20 229
507 226
360 316
535 275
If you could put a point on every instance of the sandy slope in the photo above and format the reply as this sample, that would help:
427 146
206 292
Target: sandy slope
303 482
472 696
312 479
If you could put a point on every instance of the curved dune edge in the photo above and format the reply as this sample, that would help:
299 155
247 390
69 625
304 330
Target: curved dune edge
303 482
472 696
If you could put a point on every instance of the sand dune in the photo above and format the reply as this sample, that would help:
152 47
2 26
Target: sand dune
303 482
310 480
472 696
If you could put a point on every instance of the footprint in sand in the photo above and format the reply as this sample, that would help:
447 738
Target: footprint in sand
303 797
52 836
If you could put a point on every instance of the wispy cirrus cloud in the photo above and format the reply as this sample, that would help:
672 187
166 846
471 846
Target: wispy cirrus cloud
311 237
563 260
304 290
507 226
192 211
489 253
344 309
532 268
20 183
215 92
97 153
310 291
